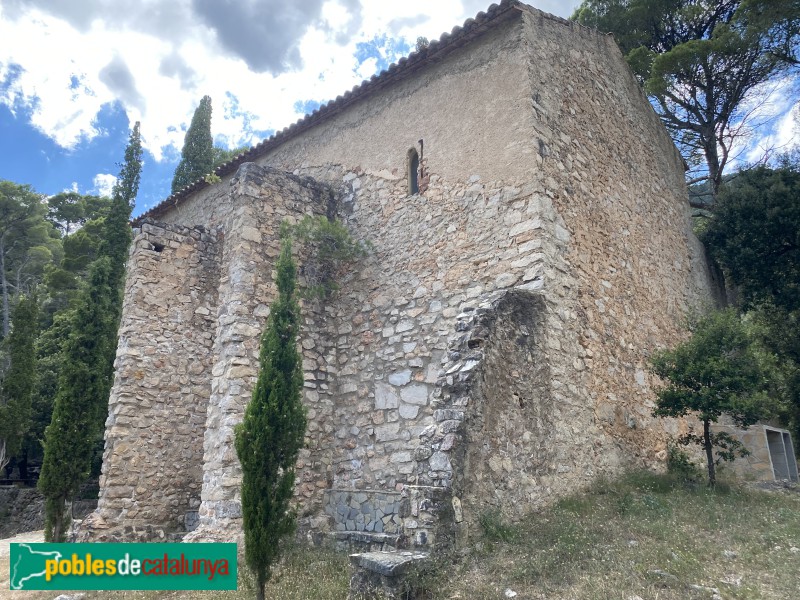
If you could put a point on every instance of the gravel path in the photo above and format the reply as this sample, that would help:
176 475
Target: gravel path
30 536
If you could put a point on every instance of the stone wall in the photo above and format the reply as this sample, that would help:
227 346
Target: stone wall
258 201
21 510
771 451
634 268
152 464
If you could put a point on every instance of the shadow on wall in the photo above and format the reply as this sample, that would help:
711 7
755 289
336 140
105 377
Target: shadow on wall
510 424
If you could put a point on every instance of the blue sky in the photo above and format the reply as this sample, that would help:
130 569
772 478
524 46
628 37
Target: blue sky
74 76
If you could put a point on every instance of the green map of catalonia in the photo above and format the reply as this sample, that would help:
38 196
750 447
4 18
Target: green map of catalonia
28 564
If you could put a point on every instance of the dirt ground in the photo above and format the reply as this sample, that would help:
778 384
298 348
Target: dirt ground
5 549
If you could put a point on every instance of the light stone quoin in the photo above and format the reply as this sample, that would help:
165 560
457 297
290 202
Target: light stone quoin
488 352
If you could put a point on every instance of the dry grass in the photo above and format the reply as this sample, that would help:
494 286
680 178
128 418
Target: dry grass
646 536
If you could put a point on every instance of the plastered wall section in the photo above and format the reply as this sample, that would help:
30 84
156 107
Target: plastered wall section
152 464
762 463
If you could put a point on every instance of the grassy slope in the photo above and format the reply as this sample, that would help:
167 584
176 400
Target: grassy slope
645 535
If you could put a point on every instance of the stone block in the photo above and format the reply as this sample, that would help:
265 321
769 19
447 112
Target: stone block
416 393
385 396
400 378
408 411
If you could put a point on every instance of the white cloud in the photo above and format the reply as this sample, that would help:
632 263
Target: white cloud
770 119
103 184
157 58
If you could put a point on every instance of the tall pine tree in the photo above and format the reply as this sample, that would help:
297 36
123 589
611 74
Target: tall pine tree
87 369
197 156
272 432
704 64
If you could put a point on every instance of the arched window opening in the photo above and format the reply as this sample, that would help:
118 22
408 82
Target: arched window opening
412 163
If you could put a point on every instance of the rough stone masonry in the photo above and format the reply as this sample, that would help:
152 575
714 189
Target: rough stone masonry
490 352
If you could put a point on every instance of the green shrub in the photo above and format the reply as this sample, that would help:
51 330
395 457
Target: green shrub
680 465
330 247
495 528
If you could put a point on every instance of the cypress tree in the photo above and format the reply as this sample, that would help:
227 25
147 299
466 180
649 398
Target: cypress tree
87 370
79 408
272 432
18 380
117 237
197 155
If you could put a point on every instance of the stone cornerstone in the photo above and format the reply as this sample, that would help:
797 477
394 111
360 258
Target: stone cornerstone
531 247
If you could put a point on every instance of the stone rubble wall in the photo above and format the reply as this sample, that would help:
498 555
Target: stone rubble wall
432 256
258 201
632 266
153 459
21 510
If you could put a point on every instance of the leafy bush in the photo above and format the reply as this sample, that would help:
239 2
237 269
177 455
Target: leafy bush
330 247
719 370
680 465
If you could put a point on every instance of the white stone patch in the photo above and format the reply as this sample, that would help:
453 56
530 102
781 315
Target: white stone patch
506 280
439 462
400 378
528 246
528 225
458 514
388 432
400 457
251 234
404 326
385 396
408 411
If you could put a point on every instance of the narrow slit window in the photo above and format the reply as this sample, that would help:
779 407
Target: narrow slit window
413 172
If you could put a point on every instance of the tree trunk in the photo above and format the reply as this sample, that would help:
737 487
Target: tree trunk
23 464
260 589
712 160
59 510
3 455
712 478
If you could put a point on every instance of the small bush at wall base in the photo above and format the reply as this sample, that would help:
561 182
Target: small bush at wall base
680 465
495 528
